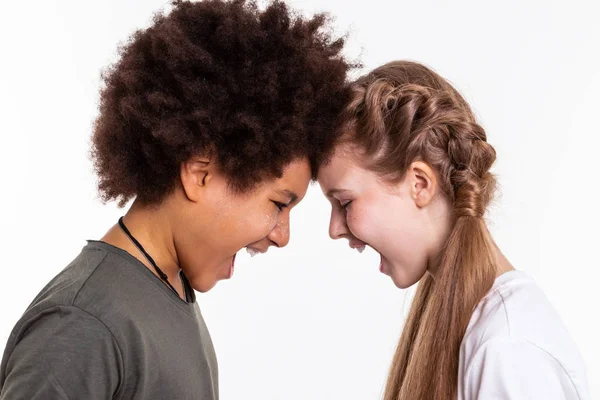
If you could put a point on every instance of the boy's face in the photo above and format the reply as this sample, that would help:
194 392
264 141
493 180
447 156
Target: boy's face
217 223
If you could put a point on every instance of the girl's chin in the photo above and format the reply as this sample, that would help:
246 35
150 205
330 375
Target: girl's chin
399 276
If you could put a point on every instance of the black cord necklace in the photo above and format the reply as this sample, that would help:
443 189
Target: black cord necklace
137 244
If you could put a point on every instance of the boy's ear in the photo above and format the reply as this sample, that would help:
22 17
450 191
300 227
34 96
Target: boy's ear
196 174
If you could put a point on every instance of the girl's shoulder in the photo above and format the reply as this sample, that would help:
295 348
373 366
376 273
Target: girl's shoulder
515 326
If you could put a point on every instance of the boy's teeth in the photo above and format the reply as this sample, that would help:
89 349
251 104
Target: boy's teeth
252 252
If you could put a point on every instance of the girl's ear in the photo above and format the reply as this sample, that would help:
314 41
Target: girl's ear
423 184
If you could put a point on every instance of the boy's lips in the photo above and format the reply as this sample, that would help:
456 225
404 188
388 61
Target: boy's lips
231 267
253 251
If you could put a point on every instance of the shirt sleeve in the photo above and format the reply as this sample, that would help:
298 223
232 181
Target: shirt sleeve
62 353
512 369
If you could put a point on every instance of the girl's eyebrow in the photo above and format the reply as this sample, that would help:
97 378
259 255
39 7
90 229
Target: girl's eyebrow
335 191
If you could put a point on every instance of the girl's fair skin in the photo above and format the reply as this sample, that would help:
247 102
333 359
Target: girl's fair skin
406 223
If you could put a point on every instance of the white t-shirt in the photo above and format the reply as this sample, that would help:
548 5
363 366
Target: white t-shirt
516 347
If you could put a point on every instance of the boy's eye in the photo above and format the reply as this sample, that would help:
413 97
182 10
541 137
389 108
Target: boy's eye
279 205
345 204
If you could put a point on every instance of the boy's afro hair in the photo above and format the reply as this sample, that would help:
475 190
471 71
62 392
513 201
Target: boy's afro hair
254 89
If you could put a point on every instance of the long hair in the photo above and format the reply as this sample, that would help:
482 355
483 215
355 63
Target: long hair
404 112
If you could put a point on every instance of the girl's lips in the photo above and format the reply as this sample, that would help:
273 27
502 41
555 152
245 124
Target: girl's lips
358 246
360 249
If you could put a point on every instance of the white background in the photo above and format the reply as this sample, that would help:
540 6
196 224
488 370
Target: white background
316 320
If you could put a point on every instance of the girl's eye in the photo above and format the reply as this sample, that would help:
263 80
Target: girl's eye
345 204
279 205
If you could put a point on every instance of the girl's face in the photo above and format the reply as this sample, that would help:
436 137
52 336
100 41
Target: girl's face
406 223
217 223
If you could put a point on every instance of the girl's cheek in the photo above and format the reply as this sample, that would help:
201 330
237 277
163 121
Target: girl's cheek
357 224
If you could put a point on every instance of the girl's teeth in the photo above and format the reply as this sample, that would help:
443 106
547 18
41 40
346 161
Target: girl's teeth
252 252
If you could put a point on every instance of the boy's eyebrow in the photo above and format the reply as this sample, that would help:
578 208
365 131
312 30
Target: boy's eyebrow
289 194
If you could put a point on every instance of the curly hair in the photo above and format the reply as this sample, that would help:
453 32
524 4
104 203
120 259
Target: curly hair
254 89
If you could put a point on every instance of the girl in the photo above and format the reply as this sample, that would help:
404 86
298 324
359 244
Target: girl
410 177
213 120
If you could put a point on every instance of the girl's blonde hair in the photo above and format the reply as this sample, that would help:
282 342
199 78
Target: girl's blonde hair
404 112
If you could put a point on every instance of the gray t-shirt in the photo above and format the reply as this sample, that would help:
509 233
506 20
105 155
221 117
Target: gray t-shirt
106 327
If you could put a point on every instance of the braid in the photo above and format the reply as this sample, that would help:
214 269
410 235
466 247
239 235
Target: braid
400 113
